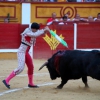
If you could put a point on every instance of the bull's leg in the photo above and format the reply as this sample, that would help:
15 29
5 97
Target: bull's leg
63 82
84 79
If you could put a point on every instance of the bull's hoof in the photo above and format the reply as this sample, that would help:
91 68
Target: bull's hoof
86 86
59 87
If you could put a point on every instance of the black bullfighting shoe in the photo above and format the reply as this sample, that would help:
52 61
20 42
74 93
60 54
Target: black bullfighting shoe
4 82
33 86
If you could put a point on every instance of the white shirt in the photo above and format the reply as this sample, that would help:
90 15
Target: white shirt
29 37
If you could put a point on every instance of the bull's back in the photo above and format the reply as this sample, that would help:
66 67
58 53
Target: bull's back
76 63
71 64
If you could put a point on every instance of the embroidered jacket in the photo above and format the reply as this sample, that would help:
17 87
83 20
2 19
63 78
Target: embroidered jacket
29 37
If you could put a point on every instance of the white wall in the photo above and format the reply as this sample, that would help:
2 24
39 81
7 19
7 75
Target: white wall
26 13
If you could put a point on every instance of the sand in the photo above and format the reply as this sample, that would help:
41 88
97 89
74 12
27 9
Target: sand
73 90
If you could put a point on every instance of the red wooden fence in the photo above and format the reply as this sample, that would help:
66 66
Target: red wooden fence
88 37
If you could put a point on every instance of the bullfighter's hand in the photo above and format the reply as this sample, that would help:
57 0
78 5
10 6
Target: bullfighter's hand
46 28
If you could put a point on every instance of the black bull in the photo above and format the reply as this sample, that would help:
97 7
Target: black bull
74 64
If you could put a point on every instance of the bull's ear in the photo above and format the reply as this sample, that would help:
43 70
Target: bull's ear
45 64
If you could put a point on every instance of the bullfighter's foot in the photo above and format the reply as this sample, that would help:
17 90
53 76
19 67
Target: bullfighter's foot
33 86
5 83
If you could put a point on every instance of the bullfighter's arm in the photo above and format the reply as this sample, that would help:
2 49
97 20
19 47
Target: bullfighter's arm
36 34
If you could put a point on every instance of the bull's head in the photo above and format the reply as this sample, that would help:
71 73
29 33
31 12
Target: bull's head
50 64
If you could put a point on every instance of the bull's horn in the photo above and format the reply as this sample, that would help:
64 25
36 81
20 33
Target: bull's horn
43 65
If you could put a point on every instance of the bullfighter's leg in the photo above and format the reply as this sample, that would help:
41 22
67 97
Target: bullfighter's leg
30 66
63 82
18 70
84 79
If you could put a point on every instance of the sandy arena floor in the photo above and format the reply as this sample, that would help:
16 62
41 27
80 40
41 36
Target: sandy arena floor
73 90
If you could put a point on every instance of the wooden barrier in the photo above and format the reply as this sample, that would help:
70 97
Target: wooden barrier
10 37
41 11
88 37
47 45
